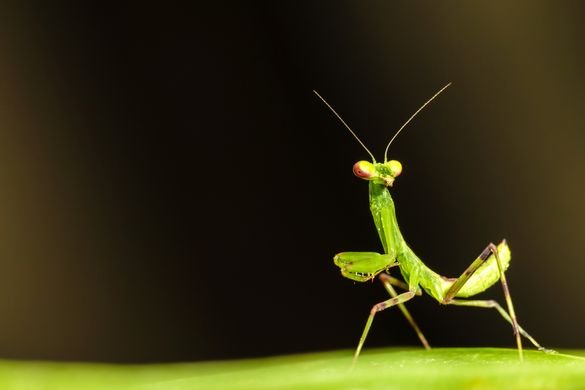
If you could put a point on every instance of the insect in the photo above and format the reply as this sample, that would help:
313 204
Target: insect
487 269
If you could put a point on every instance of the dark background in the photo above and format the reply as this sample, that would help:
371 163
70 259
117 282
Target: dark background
172 190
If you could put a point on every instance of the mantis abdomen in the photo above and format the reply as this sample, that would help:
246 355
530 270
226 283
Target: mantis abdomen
487 274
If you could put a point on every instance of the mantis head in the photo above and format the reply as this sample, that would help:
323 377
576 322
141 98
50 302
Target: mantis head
383 173
386 172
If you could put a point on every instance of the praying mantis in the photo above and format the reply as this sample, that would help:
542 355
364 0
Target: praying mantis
487 269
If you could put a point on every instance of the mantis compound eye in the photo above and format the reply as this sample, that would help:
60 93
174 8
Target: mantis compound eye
395 167
363 170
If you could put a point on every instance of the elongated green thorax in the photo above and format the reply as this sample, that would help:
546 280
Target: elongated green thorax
384 214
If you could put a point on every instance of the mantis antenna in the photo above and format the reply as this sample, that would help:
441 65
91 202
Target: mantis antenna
409 119
347 126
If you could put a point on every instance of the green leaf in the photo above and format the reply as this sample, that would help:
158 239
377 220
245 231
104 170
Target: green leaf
440 368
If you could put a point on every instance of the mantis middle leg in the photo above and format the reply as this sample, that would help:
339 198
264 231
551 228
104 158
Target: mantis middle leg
399 299
388 282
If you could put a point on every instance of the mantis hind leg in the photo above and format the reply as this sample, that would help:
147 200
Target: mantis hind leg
397 300
464 278
388 282
491 304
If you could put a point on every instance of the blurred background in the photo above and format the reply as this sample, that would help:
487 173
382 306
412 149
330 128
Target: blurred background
171 189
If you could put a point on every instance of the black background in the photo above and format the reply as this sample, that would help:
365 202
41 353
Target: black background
172 190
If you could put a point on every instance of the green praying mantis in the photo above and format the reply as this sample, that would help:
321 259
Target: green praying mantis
484 271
